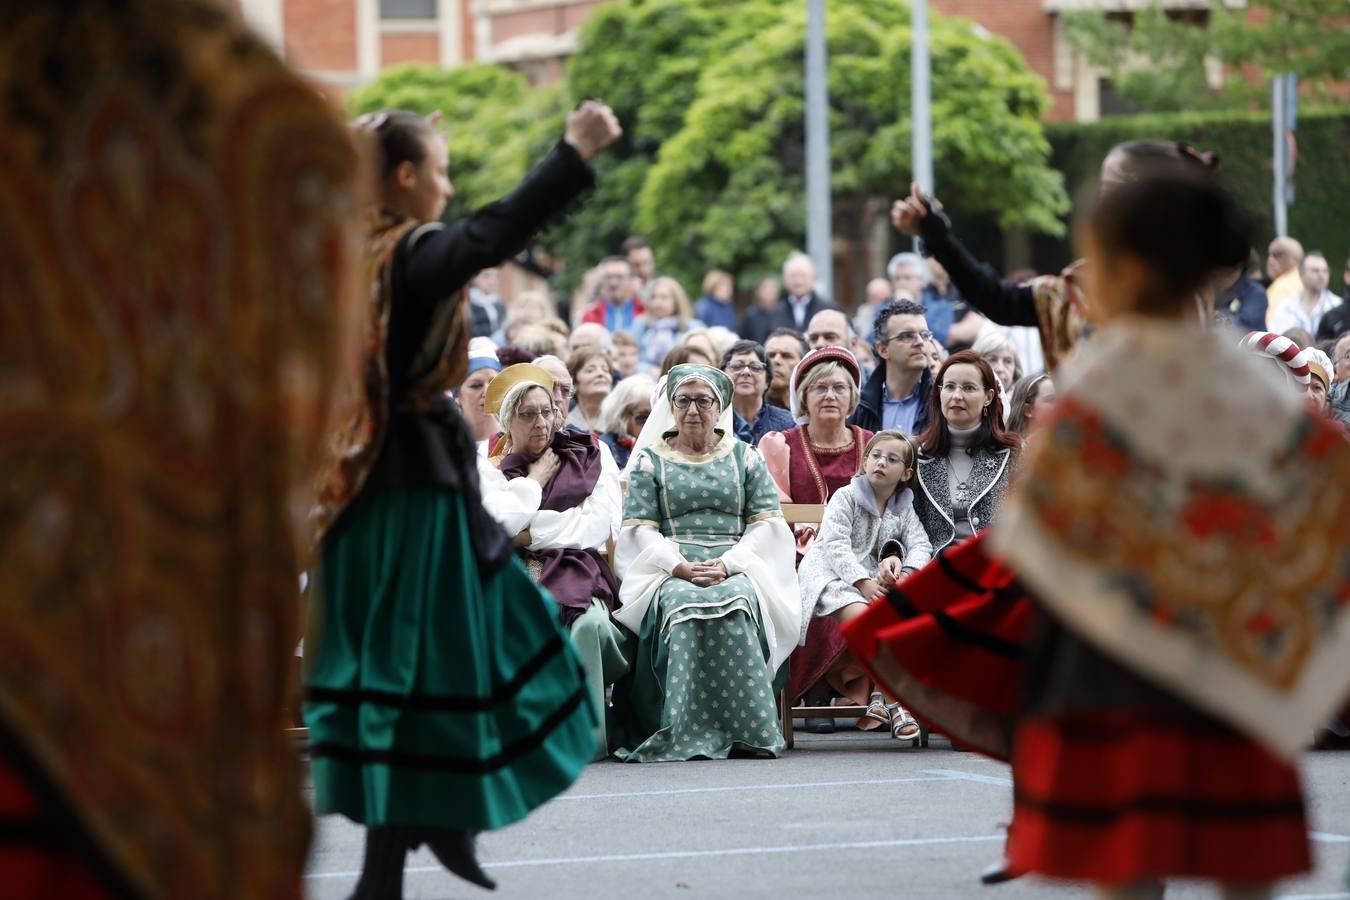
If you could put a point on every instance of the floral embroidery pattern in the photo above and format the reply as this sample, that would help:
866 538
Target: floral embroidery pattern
1257 577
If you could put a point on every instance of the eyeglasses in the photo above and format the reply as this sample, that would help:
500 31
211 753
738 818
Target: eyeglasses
889 459
562 390
755 367
910 337
951 387
821 390
703 403
641 418
531 415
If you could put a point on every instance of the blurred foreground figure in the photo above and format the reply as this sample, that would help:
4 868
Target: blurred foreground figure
173 209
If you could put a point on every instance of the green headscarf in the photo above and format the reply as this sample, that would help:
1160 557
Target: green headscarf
714 378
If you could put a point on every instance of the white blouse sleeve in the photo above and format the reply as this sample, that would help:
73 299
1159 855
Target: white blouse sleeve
512 502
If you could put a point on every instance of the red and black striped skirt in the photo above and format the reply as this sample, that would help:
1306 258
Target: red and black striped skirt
44 852
950 643
1120 796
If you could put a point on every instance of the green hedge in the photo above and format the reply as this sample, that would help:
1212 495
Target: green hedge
1320 215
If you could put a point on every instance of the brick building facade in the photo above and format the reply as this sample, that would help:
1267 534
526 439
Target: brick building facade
346 43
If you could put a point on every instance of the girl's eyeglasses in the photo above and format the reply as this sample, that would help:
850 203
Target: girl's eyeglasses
889 459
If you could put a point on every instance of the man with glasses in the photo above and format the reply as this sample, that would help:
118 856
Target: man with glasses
750 372
898 394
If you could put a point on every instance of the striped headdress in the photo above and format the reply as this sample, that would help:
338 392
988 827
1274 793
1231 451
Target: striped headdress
1279 347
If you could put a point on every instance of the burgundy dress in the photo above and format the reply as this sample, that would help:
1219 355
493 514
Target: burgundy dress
815 475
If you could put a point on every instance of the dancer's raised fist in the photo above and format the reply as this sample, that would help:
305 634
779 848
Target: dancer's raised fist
592 127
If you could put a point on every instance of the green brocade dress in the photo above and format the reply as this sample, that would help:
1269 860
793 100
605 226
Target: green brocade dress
440 698
701 683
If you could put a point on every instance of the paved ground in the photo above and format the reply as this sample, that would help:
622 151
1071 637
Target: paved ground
848 815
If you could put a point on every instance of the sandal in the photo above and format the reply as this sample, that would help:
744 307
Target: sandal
876 709
903 726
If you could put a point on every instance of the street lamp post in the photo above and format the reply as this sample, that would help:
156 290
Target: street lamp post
921 116
818 214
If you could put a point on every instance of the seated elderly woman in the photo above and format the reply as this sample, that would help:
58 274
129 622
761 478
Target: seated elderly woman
472 392
750 372
709 586
623 414
557 491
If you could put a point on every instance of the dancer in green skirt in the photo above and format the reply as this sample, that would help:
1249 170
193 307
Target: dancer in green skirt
442 696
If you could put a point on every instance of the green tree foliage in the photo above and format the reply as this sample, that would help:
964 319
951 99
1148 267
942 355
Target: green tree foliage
728 187
496 124
710 167
1158 60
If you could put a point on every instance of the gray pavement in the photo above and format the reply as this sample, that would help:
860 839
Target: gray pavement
847 815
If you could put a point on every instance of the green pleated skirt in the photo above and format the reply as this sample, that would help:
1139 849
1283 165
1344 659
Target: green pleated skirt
433 697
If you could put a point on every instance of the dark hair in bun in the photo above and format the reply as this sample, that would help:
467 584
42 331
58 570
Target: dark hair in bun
401 135
1184 227
1137 159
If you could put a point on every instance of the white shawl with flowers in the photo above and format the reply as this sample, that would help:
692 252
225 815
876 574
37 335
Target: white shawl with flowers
1184 511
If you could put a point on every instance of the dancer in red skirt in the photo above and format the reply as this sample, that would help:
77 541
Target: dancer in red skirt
953 635
953 642
1170 522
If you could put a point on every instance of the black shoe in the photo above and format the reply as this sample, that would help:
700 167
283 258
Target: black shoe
820 725
998 873
382 868
455 850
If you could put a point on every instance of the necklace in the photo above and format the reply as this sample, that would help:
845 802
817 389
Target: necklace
962 495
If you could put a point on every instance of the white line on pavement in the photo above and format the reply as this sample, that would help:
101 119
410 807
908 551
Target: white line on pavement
1323 838
697 854
969 776
749 787
1343 895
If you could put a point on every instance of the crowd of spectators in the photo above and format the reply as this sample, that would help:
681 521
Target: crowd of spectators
808 385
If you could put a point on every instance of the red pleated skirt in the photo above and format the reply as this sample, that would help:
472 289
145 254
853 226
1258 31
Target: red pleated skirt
1113 796
38 858
950 643
1123 796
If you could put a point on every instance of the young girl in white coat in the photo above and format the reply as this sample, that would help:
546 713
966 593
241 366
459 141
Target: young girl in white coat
869 539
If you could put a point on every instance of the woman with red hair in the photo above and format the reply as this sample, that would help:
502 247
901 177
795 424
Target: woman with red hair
965 455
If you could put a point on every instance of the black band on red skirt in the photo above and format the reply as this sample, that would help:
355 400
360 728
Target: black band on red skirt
1167 805
1119 795
74 843
970 583
955 630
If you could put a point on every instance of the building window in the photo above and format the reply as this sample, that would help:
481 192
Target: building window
407 9
1111 103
